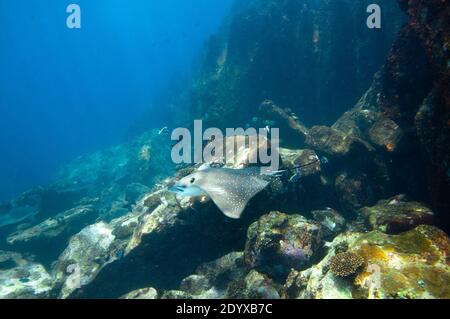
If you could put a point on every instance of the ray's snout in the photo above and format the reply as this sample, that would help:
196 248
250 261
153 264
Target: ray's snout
176 189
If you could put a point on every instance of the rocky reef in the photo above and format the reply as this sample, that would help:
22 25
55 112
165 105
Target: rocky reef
356 213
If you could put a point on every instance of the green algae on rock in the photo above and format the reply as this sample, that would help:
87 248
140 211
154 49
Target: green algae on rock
412 264
278 242
396 215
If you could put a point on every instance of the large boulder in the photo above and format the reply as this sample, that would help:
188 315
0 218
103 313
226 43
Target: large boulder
85 255
397 215
333 223
278 242
338 145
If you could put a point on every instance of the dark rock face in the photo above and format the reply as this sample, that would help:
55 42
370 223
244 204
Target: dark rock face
353 190
406 113
263 54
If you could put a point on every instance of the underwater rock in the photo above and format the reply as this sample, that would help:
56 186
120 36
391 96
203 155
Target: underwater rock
176 295
195 284
410 265
54 232
278 242
86 253
361 118
168 243
354 190
336 144
368 122
431 127
292 131
224 269
397 215
213 279
226 278
254 286
295 54
386 133
409 99
332 222
195 287
145 293
306 159
102 186
246 154
23 279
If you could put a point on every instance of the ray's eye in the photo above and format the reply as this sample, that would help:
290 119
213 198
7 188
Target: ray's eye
192 180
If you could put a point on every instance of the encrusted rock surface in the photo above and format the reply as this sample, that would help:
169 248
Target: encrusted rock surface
396 215
212 279
145 293
21 278
336 144
86 253
333 223
278 242
412 265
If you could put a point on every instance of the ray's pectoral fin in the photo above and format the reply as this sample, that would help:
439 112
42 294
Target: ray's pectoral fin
232 197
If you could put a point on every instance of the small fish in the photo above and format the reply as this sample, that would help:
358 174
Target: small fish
295 178
164 130
230 189
324 160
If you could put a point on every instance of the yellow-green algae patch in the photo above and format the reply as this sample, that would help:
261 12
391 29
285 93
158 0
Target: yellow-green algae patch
413 264
410 265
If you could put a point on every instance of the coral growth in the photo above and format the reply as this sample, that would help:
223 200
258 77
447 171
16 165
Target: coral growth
346 264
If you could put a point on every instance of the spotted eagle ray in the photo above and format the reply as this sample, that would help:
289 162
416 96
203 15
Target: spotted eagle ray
230 189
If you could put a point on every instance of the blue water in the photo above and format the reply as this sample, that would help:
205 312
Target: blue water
67 92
